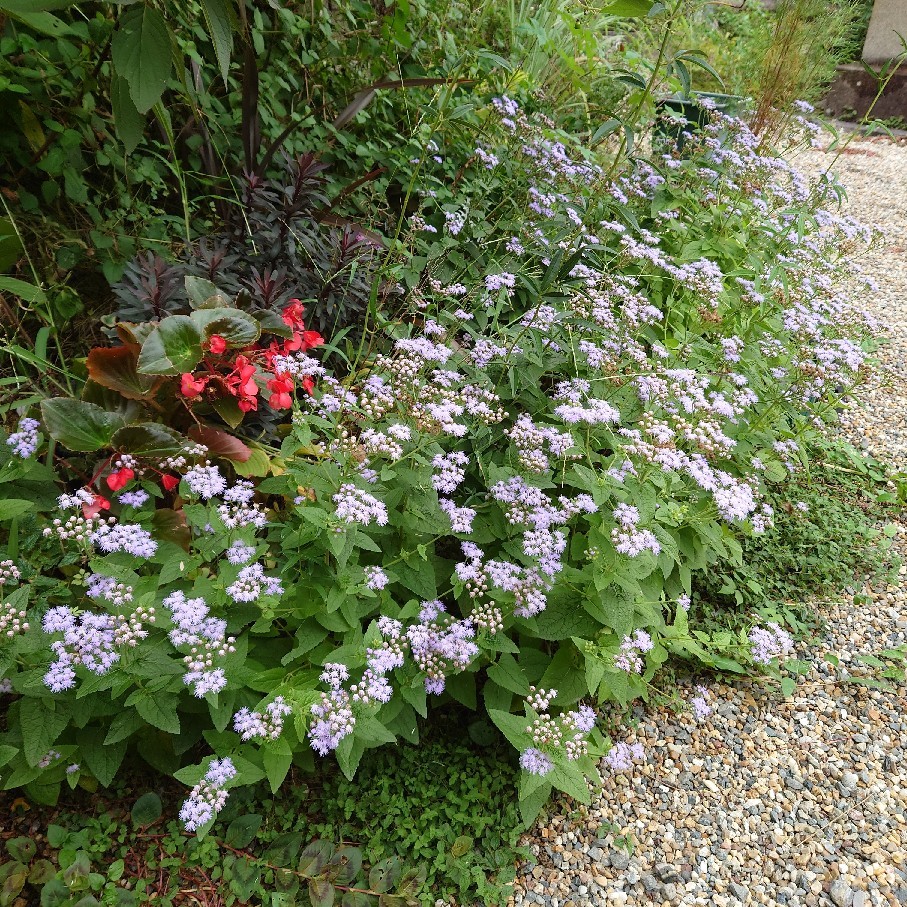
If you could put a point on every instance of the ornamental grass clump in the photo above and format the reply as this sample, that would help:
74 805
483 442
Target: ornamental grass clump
500 503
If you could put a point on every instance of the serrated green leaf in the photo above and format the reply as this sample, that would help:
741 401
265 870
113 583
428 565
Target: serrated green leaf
141 55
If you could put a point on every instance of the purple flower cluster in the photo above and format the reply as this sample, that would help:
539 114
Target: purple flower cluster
375 578
209 796
627 537
24 441
564 735
769 643
357 506
632 648
440 645
90 640
128 537
207 640
264 725
333 715
134 498
205 481
536 443
251 584
700 703
449 471
240 553
621 756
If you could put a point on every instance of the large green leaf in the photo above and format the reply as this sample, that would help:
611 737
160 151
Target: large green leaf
200 291
234 325
34 6
102 759
141 55
10 508
149 439
173 347
79 425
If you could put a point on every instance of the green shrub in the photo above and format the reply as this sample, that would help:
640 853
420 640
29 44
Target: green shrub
498 500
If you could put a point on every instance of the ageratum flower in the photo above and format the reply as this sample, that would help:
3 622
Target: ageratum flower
24 441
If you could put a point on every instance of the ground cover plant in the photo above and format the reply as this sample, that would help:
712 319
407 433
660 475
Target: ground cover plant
831 529
315 487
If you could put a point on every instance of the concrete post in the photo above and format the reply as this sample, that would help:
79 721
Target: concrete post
889 17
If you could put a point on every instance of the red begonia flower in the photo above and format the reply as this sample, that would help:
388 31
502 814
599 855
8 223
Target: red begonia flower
191 386
120 478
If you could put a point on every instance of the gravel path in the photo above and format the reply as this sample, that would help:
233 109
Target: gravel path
799 801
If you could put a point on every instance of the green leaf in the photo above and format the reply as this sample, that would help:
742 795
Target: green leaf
246 878
513 727
157 709
149 439
130 124
21 849
147 809
276 763
321 892
563 617
774 471
200 291
314 858
173 347
242 830
11 248
228 409
13 884
531 805
27 291
141 55
79 425
41 872
40 727
220 28
234 325
257 464
10 508
509 675
628 8
101 758
125 723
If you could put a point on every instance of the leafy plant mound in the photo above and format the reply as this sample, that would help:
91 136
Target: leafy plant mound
499 501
